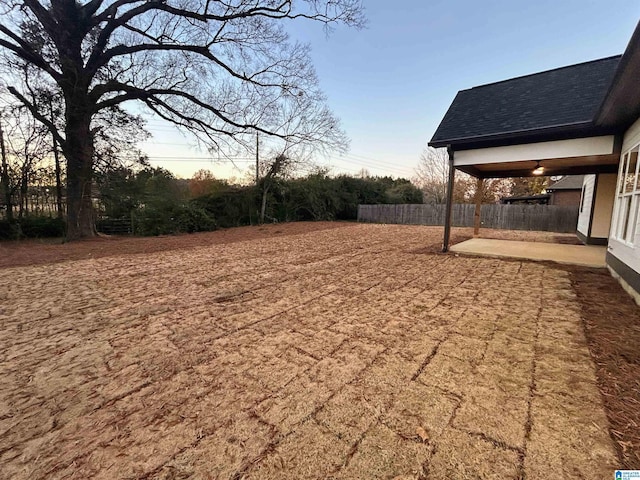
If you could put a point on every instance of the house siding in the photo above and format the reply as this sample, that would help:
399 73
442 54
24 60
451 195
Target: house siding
585 212
625 254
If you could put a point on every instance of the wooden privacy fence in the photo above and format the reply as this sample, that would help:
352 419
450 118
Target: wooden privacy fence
550 218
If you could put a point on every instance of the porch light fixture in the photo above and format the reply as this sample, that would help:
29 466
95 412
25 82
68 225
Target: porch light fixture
539 170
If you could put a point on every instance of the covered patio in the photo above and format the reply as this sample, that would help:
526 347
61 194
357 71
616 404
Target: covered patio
544 124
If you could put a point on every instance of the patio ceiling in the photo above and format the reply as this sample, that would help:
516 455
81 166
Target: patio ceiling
575 156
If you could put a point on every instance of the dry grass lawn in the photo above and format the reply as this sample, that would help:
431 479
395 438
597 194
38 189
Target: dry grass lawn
341 353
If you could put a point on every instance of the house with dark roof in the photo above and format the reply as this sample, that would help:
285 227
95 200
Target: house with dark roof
581 119
542 199
564 192
567 191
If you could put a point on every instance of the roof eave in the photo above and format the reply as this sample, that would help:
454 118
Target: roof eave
621 105
558 132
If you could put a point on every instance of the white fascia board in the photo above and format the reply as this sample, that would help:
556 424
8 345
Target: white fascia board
576 147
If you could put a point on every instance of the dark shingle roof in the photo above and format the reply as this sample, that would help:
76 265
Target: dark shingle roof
560 97
570 182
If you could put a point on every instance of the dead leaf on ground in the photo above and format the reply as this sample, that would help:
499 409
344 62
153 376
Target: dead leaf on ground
422 433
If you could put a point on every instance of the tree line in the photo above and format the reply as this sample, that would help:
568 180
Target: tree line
156 203
131 195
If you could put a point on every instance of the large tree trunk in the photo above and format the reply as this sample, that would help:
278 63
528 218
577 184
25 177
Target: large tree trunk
79 154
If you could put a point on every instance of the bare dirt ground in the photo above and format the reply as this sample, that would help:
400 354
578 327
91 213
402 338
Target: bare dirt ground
338 353
35 252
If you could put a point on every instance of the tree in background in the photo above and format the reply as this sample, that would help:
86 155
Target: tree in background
203 183
432 176
493 189
32 178
25 147
221 70
151 200
273 170
527 186
403 191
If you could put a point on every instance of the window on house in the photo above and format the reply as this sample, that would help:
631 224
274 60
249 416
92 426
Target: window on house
584 188
627 198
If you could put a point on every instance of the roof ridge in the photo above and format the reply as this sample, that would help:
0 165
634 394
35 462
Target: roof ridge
540 73
567 180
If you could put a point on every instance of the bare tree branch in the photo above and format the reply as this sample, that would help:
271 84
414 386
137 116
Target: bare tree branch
38 114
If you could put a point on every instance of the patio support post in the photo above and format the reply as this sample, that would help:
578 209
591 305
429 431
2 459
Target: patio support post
447 214
476 215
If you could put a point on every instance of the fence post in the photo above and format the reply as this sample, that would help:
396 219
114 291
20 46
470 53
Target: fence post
476 214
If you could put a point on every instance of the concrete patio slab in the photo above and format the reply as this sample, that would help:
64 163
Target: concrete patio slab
584 255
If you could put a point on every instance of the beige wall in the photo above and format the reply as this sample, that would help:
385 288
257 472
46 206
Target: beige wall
605 196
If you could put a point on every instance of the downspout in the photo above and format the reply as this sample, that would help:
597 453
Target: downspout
447 215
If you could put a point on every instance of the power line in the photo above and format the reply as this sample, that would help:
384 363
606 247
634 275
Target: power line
168 143
198 159
393 166
396 170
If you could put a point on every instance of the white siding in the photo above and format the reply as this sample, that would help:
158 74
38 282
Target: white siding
578 147
585 204
630 255
631 136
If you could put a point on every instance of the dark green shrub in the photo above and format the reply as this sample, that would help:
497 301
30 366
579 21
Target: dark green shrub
9 230
404 193
42 227
232 207
32 227
191 218
164 220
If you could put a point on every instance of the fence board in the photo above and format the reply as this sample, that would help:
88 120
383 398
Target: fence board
551 218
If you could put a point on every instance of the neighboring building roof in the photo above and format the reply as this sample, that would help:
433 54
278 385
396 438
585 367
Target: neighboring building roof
563 98
570 182
544 198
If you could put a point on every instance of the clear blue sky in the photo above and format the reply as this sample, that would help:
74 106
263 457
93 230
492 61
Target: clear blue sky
391 83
